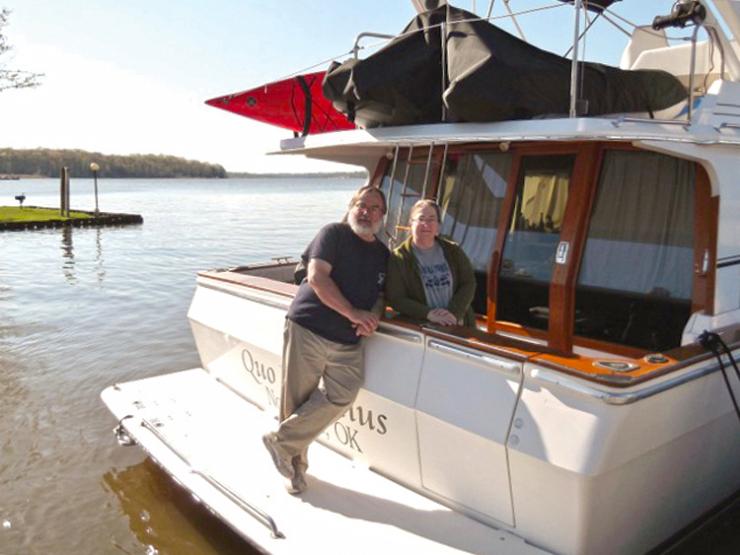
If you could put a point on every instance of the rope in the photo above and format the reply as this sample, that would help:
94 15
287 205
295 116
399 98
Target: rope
407 33
712 342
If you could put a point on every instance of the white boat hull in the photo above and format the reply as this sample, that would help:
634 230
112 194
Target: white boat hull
566 464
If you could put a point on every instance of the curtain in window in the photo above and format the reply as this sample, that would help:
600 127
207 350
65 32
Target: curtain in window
471 198
543 202
640 236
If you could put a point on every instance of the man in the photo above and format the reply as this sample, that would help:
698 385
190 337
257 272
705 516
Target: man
337 304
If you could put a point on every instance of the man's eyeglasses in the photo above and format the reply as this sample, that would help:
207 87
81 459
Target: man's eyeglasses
374 208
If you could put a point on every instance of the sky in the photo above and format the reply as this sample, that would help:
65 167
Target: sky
131 76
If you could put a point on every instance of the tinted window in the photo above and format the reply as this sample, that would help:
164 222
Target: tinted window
471 196
401 197
532 238
635 280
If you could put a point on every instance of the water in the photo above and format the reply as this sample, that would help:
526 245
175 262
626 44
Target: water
81 309
85 308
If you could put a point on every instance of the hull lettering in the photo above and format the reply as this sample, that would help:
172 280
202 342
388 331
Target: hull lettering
258 370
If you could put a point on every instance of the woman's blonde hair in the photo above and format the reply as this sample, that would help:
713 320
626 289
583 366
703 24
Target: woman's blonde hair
423 203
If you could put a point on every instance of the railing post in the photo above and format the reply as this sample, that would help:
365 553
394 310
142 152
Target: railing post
574 64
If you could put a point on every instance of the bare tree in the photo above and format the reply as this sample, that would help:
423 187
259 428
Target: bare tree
13 78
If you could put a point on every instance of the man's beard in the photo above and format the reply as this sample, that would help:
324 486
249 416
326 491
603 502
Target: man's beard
362 229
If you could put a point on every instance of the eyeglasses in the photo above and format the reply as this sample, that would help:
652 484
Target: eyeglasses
424 220
374 208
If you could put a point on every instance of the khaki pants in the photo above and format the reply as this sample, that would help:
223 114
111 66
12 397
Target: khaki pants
321 379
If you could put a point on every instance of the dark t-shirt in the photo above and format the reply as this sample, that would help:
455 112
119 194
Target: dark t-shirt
358 269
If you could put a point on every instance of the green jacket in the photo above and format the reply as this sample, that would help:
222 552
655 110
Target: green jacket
404 290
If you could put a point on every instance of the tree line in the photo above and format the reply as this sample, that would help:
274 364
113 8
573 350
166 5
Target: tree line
44 162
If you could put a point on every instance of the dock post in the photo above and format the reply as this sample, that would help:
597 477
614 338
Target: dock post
62 190
66 190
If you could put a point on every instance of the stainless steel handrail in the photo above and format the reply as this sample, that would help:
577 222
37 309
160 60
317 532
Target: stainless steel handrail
260 515
400 334
511 369
624 119
358 38
620 397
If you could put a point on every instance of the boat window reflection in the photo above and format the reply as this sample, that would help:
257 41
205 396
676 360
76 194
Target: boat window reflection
529 250
401 198
471 197
635 280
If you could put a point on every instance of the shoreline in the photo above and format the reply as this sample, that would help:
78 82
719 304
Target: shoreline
78 218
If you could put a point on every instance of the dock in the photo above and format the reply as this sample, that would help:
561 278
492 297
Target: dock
80 218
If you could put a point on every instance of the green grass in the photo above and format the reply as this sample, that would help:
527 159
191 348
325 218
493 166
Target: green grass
16 214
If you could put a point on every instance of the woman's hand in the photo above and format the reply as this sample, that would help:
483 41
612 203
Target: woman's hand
442 316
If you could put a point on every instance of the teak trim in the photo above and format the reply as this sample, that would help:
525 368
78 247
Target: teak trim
573 233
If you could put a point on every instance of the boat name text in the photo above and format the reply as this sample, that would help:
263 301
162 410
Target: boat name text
259 371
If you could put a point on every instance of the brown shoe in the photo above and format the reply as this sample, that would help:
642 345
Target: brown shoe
282 461
298 483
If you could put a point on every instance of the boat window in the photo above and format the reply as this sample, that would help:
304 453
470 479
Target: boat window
635 280
532 238
471 196
401 198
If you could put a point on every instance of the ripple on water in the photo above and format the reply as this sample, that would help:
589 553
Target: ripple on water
87 308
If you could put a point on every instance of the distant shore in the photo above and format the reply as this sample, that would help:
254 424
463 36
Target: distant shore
46 163
229 175
247 175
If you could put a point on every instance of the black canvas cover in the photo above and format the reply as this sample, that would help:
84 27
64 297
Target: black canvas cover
597 6
491 76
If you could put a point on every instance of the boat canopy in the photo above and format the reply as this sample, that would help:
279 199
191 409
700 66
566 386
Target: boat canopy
484 74
597 6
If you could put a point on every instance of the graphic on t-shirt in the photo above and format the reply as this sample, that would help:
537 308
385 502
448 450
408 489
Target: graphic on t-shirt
436 276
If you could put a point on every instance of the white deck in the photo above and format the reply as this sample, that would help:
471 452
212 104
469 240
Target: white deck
204 429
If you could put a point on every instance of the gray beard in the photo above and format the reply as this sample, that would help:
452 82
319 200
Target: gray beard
360 229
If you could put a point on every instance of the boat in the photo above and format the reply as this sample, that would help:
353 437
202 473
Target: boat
593 407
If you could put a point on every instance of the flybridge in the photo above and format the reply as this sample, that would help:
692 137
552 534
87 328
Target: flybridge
487 75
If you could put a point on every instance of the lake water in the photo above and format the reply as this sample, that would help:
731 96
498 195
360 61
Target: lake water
81 309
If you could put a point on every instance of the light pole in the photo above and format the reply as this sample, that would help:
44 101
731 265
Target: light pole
94 168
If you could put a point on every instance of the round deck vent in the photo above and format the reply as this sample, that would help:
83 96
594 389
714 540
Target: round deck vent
616 365
656 358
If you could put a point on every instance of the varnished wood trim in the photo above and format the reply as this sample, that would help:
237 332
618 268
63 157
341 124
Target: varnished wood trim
263 284
612 348
512 327
380 169
494 265
575 226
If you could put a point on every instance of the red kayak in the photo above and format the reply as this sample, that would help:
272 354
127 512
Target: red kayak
297 104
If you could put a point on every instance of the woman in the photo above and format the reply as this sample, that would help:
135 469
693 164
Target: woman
429 277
